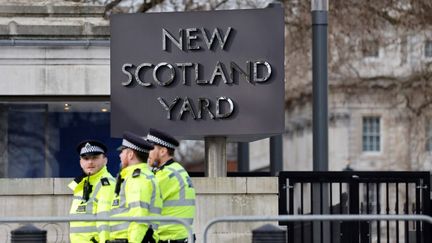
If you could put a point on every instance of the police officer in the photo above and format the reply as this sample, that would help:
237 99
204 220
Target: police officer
93 192
136 193
178 193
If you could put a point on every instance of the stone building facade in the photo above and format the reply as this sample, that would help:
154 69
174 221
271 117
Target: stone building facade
379 118
54 85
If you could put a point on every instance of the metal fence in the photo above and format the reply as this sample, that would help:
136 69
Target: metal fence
282 218
320 218
94 218
353 192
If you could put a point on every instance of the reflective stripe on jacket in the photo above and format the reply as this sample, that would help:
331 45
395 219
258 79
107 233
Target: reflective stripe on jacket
178 195
139 197
99 203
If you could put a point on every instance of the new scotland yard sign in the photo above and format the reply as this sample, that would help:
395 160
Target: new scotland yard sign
198 74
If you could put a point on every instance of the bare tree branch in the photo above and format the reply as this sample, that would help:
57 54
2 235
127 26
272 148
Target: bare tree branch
146 6
219 4
109 7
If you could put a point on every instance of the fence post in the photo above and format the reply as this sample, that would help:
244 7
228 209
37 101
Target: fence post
353 228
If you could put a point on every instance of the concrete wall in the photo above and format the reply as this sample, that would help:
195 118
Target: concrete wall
216 197
54 70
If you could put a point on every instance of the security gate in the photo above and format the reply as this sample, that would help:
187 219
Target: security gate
352 192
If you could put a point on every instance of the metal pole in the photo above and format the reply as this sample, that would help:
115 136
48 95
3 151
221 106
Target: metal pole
276 155
91 218
320 111
320 86
215 156
306 218
243 157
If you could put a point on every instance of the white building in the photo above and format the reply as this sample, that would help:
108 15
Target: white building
379 109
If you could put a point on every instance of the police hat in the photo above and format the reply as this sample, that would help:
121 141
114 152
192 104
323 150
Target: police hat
135 142
160 138
91 147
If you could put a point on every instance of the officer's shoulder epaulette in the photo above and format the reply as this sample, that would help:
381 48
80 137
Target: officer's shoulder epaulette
136 172
105 181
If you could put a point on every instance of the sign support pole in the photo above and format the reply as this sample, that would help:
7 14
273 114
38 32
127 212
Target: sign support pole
243 156
215 156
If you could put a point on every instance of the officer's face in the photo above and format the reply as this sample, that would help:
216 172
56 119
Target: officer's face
125 157
153 159
91 164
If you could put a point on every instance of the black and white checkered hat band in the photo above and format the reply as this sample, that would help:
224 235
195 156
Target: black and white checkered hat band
91 149
128 144
159 141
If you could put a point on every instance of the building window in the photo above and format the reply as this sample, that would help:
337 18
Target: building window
429 136
371 134
39 138
428 48
370 48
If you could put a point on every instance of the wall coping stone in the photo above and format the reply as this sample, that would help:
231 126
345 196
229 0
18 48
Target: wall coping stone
224 185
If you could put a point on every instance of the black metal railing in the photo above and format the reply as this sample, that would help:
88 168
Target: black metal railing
351 192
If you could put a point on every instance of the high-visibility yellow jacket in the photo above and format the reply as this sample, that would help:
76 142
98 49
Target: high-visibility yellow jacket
139 196
99 203
178 195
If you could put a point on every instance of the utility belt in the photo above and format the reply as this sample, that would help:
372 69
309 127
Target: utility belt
161 241
174 241
117 241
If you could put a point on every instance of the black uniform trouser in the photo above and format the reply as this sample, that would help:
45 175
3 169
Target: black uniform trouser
148 238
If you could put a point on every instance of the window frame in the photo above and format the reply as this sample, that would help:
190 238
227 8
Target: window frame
370 134
427 53
370 48
428 136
